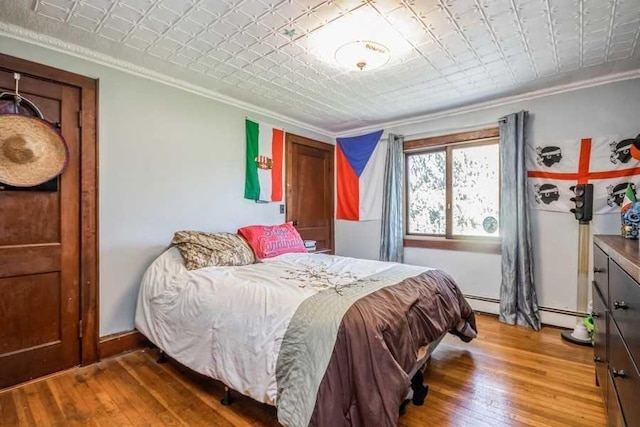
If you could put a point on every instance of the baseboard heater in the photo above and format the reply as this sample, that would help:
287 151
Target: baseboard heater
545 309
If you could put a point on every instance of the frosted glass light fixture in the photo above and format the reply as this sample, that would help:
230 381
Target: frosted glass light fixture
362 55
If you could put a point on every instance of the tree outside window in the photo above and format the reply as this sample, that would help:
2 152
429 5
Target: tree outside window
452 191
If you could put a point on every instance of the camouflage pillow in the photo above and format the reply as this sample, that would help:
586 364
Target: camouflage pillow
201 250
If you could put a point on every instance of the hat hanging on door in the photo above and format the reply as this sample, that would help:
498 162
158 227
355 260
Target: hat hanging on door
31 151
14 103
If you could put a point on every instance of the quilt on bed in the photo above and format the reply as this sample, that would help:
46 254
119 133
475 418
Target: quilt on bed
328 340
346 355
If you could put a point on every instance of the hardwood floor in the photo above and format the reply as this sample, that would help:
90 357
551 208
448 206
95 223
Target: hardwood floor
507 377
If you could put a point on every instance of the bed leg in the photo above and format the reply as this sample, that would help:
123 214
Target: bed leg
226 399
403 407
420 389
162 358
420 393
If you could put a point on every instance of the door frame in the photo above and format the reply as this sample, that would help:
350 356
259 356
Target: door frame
88 120
289 140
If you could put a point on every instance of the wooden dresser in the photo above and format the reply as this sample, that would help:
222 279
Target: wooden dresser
616 312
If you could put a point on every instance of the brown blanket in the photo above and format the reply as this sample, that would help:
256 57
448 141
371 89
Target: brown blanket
376 347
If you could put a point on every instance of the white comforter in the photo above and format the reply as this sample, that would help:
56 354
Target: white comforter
228 322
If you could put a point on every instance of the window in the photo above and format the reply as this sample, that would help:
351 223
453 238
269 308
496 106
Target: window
452 195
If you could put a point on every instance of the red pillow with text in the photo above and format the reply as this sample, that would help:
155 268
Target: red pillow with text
268 241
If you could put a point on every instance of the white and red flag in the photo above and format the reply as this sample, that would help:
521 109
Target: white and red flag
605 162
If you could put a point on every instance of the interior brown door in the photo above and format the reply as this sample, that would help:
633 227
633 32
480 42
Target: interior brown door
310 189
39 253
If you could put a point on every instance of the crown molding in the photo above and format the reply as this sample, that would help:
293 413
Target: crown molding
28 36
52 43
527 96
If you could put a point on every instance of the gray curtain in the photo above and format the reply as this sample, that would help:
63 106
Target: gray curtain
518 300
391 234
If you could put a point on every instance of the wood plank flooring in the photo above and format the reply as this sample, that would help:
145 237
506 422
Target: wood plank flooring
507 377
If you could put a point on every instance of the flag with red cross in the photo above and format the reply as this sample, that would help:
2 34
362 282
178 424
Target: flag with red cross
605 162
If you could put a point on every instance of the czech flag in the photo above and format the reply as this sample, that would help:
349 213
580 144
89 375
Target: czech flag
360 174
265 152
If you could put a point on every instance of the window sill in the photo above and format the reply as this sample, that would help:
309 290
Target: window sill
463 245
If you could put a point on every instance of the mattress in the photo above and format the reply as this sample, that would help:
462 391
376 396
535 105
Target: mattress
228 322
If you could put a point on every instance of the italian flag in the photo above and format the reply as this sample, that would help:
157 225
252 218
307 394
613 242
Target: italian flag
265 150
629 199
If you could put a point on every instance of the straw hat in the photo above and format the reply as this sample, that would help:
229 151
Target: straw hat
31 151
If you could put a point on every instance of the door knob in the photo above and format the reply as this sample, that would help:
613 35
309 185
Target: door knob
598 270
295 222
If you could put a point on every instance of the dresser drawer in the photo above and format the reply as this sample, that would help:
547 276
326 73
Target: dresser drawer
600 356
625 307
612 405
625 377
601 271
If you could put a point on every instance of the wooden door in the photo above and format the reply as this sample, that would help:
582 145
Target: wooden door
40 253
310 194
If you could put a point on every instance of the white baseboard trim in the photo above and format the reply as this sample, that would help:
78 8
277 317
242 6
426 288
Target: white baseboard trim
484 306
548 316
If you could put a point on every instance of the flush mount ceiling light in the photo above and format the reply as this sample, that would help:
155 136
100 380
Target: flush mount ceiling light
360 37
362 55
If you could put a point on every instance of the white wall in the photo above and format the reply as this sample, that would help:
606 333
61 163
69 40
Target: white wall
611 109
169 160
172 160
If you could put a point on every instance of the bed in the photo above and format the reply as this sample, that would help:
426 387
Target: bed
328 340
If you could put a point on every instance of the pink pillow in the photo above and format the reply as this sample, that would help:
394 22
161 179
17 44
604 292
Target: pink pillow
268 241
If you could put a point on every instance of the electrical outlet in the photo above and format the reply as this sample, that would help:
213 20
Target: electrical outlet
282 209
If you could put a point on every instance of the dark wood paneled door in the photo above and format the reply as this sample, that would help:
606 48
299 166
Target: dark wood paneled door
40 253
310 194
